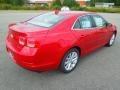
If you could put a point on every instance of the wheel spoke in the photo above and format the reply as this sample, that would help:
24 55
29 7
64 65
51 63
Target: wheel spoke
112 39
71 60
68 66
74 59
67 62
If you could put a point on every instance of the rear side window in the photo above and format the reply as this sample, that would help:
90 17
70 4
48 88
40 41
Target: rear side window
99 21
46 20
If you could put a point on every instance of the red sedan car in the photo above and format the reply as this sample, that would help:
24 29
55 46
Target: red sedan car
58 40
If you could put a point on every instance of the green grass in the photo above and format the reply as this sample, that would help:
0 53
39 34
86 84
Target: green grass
98 9
34 7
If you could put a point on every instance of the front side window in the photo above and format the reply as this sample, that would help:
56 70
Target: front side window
99 21
46 20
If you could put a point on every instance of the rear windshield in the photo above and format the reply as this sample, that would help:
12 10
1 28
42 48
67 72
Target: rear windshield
46 20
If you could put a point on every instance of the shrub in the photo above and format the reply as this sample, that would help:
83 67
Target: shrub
55 7
94 9
14 7
75 8
14 2
41 7
99 9
5 6
113 10
70 3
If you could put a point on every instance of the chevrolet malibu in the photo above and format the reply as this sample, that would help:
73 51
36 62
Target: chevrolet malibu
57 40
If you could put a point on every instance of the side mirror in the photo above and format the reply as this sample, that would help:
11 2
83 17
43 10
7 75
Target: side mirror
108 24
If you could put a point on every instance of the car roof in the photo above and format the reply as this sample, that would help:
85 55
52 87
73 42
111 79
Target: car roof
74 13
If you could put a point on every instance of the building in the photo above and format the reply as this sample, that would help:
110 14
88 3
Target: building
40 2
99 4
81 2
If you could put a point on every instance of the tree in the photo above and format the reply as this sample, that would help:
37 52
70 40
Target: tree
56 3
4 1
70 3
17 2
14 2
61 1
117 2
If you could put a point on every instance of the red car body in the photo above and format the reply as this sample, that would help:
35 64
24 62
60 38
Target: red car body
52 43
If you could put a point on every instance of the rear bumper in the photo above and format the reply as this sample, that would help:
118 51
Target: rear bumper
35 67
30 59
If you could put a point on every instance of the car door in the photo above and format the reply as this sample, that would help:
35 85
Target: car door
85 33
101 30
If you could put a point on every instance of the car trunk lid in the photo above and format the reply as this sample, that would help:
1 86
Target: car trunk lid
18 33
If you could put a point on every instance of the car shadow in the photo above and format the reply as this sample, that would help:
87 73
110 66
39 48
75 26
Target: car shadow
57 73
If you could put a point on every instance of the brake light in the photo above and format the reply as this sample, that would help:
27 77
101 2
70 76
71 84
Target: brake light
29 42
32 43
22 41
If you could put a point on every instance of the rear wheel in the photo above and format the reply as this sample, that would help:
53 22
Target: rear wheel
70 61
112 40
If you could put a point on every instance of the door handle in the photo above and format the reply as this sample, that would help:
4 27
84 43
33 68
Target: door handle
83 35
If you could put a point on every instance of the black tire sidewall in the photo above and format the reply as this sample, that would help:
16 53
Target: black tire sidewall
62 68
108 44
110 40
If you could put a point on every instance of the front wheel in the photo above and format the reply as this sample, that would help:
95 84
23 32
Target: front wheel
112 40
70 61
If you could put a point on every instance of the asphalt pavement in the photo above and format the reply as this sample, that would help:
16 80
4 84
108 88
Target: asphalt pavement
99 70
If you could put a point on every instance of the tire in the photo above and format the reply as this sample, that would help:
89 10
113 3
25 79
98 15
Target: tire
112 40
70 61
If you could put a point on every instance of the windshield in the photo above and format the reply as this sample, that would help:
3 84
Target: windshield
46 20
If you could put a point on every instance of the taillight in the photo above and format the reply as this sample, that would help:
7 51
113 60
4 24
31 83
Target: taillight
29 42
22 41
